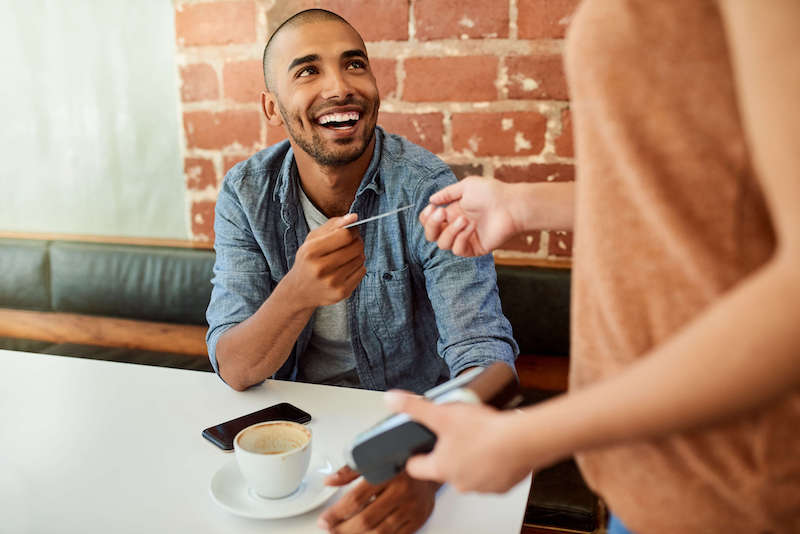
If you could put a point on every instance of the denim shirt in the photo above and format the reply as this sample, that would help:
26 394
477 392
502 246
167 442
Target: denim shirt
419 315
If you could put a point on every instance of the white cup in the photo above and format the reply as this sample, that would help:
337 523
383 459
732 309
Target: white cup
273 457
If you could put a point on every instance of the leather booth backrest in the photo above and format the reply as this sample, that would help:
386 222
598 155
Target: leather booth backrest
174 285
536 303
24 274
137 282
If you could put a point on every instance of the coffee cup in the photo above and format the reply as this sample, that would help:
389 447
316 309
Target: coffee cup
273 457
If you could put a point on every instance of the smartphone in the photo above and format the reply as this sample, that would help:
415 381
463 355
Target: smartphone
222 434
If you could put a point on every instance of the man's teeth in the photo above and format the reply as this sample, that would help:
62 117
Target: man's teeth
339 117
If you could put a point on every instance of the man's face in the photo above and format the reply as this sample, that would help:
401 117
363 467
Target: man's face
325 91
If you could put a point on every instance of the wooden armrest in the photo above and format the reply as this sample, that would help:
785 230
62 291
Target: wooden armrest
543 372
58 327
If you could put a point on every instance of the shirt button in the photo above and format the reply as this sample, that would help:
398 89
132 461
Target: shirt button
387 276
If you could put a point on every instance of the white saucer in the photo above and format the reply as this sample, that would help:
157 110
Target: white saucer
229 490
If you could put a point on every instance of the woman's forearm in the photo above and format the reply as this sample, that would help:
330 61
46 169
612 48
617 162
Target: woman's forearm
542 205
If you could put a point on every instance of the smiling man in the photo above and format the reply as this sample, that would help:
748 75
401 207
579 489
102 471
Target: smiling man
297 296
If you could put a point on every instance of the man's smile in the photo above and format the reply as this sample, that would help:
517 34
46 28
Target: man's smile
339 120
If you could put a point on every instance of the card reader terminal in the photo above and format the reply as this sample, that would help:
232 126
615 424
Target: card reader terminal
382 451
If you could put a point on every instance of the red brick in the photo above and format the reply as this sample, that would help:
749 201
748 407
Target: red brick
229 160
375 20
198 82
275 134
560 244
203 221
544 19
385 74
462 170
536 77
215 23
448 19
199 173
283 9
536 172
517 133
564 142
527 242
243 81
424 129
207 129
448 79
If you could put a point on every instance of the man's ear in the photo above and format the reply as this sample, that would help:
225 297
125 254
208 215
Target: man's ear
270 106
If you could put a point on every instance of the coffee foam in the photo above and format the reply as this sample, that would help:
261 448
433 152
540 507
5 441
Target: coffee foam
274 438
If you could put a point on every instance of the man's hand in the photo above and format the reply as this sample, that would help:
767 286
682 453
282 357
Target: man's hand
401 505
471 217
329 265
477 448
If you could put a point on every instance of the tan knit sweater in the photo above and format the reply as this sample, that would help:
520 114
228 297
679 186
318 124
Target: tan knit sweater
670 216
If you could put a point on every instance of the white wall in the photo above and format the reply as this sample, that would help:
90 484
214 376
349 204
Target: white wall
89 135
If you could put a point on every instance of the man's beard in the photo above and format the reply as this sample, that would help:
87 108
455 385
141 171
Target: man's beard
316 147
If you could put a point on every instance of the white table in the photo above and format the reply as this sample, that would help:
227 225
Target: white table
94 446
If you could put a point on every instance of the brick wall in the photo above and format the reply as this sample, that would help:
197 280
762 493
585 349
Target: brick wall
478 82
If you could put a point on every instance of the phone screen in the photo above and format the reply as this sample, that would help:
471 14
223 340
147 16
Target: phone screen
222 434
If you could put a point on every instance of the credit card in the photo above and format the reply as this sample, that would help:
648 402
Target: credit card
381 216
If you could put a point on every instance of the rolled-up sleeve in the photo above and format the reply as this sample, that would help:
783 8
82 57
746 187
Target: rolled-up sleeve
241 281
463 293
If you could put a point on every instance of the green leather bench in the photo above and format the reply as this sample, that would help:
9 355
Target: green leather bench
146 305
136 304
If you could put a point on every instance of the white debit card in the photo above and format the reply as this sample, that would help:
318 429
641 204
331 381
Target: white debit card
381 216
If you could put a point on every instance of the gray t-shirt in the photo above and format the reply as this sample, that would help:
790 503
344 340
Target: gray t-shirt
328 359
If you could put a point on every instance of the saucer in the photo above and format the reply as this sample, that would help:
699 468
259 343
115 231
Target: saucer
229 490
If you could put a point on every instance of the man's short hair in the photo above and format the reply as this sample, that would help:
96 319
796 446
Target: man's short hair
298 19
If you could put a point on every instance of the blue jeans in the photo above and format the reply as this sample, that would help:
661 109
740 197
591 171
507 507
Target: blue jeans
615 526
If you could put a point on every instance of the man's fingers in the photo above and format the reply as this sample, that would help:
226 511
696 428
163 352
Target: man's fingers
333 226
344 271
326 242
338 259
355 277
344 220
343 476
449 194
373 515
350 504
406 526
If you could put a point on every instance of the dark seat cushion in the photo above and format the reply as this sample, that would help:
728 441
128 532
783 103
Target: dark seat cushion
536 303
150 283
24 274
559 498
23 345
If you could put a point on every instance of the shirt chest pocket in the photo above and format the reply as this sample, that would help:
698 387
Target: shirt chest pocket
389 302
